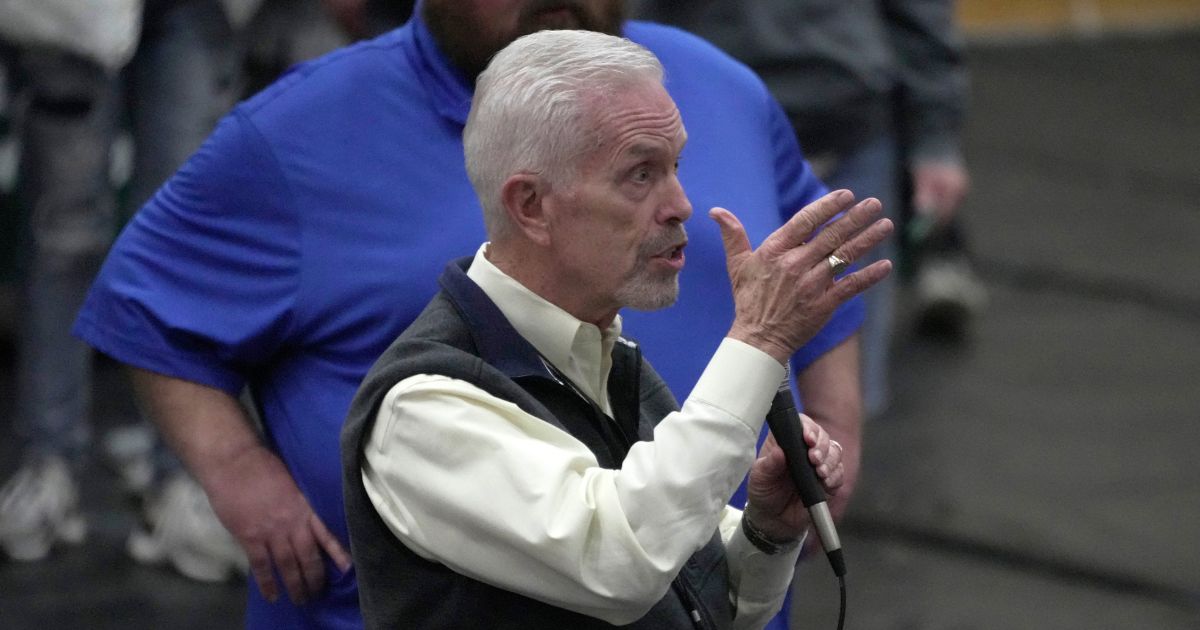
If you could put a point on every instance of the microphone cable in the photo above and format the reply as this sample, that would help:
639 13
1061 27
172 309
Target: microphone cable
842 601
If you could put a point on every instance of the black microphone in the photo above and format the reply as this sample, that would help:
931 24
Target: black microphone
788 431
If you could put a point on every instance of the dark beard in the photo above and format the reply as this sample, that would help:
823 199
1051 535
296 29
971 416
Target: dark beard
461 41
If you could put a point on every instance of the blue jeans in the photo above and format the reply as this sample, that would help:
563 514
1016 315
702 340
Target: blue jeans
179 83
872 170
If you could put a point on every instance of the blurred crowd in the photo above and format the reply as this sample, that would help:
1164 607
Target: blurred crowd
102 101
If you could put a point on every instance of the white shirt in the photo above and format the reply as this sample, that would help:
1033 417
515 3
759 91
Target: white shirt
473 482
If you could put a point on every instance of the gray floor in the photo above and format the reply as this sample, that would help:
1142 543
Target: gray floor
1043 475
1039 475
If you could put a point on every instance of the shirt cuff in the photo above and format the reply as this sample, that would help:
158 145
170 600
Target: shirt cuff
760 581
741 380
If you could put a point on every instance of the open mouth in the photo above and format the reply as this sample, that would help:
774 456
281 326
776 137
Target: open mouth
673 255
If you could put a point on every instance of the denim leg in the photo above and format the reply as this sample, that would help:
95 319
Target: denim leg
67 131
181 81
872 171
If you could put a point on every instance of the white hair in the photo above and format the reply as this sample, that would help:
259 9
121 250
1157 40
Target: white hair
528 114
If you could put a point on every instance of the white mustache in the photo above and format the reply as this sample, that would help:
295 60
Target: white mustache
669 238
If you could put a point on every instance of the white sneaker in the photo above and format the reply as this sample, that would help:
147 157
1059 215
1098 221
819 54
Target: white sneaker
39 506
129 451
948 295
184 530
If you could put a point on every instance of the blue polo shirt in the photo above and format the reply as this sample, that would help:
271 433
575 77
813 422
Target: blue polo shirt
311 227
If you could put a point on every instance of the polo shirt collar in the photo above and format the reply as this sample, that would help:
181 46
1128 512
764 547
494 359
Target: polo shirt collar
449 88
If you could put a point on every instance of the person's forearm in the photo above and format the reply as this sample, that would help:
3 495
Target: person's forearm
205 427
251 491
830 391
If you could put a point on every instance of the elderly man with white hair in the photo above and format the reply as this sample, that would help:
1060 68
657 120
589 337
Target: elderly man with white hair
511 461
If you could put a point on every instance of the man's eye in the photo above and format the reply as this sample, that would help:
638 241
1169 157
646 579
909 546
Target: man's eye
641 174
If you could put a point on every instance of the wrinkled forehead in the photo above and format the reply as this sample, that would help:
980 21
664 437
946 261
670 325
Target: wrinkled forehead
633 109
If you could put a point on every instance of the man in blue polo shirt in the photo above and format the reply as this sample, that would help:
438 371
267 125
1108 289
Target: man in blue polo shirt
311 227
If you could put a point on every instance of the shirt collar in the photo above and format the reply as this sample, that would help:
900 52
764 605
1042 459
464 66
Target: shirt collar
449 88
577 348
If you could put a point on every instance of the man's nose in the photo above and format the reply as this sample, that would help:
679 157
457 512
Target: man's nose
677 207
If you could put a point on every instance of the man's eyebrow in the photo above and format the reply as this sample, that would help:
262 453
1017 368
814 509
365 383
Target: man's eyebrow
647 149
643 148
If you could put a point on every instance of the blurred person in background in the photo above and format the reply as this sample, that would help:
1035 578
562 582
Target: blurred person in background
77 69
283 33
876 91
311 227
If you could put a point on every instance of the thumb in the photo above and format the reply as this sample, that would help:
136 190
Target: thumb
733 235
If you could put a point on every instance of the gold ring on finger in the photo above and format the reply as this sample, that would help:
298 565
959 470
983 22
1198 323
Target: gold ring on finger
837 265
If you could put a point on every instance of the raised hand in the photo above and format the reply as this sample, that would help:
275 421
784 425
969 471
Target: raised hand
788 288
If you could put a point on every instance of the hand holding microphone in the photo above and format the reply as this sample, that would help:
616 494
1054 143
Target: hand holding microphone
787 429
784 291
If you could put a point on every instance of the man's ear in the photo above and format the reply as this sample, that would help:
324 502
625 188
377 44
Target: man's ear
524 197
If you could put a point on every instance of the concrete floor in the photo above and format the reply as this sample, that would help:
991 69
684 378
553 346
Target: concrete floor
1040 474
1043 475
